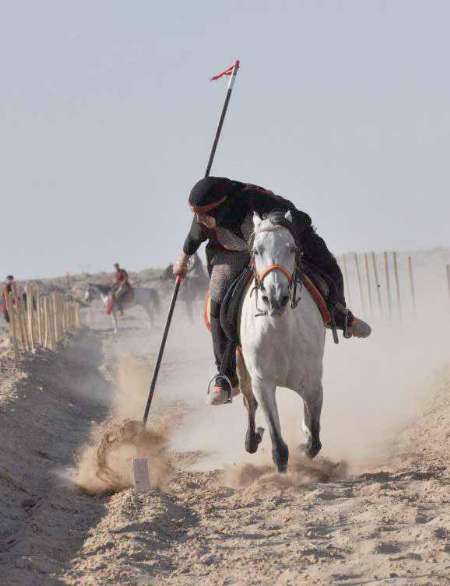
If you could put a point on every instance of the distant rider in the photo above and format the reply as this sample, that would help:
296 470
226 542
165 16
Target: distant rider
10 292
121 285
223 215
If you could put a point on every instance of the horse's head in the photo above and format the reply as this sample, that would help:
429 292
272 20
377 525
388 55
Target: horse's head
89 293
274 255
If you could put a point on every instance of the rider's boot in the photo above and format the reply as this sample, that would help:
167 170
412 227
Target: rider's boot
359 328
317 253
225 385
351 326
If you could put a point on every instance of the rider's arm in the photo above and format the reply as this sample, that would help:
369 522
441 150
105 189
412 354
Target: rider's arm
192 243
194 239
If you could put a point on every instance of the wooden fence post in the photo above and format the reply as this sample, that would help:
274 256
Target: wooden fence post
51 325
55 317
397 286
358 272
388 283
29 313
39 317
369 285
23 323
77 315
48 323
347 286
411 282
377 283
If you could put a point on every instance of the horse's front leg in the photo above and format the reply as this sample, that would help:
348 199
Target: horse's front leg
312 399
265 395
253 436
114 321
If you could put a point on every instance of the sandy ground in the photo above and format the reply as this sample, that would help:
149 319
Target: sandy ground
374 508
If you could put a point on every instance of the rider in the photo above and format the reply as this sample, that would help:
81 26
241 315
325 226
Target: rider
121 285
10 287
223 215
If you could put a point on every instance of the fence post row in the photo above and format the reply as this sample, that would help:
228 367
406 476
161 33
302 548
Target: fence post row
40 320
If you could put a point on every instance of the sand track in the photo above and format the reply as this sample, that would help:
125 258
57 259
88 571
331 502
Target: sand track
385 524
46 413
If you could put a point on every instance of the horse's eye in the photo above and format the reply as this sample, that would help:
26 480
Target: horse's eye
255 252
292 249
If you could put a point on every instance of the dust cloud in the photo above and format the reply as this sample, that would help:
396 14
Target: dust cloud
105 463
372 389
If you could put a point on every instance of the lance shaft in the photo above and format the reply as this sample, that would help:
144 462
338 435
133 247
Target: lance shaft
179 279
222 117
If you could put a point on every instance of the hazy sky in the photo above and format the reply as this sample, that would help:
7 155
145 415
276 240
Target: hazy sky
107 117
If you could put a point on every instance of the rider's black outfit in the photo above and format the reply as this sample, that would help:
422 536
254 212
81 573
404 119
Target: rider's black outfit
246 199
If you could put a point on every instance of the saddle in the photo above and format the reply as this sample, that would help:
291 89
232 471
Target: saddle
230 311
126 297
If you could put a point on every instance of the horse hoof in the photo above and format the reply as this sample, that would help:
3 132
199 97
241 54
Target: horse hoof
252 441
259 434
280 456
312 448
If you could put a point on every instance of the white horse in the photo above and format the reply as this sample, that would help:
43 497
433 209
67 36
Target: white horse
144 297
282 340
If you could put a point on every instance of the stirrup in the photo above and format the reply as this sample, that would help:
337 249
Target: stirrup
226 388
214 382
347 324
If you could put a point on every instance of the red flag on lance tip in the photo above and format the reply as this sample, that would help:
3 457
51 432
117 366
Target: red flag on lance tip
228 71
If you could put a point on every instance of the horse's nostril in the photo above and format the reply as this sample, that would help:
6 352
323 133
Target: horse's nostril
284 300
265 299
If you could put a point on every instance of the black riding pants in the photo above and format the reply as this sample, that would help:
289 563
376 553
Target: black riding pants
224 267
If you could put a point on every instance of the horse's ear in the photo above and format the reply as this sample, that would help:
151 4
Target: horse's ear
256 221
288 216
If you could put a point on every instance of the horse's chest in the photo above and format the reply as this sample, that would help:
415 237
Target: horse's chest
269 356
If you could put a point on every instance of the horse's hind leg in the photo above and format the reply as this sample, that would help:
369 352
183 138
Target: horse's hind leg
114 321
265 394
311 422
253 436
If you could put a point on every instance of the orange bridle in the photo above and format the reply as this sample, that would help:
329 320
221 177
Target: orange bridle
275 267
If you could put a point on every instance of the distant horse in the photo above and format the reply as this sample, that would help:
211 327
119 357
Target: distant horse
195 285
282 340
144 297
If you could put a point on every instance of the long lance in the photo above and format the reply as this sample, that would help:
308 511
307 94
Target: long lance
231 72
